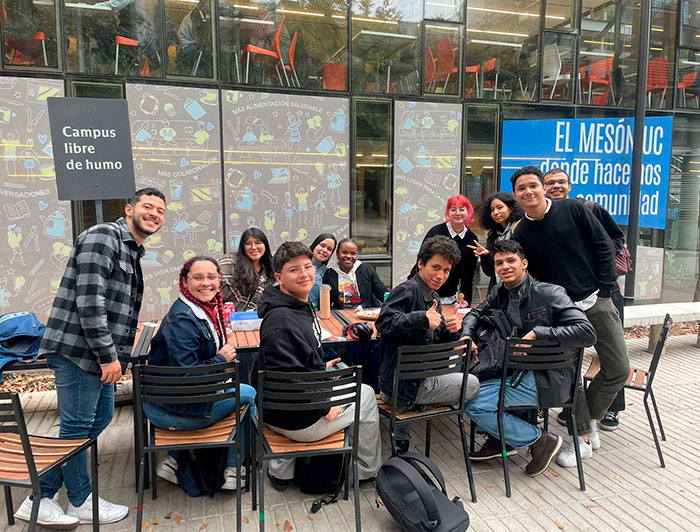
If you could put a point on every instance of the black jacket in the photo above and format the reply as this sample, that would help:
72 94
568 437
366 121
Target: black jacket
402 321
371 288
547 310
290 340
462 275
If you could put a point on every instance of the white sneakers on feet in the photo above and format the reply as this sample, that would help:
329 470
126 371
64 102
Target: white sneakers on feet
167 469
567 458
230 478
51 515
109 512
593 436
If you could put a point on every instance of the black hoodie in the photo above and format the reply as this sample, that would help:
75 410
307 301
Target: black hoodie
290 340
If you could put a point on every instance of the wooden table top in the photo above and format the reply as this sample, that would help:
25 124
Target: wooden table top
251 339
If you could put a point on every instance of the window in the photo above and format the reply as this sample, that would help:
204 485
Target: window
447 10
371 197
662 54
385 46
560 14
29 30
190 38
443 55
690 23
558 50
687 80
502 53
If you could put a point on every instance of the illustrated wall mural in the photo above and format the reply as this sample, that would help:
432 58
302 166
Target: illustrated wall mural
286 165
36 227
427 146
176 145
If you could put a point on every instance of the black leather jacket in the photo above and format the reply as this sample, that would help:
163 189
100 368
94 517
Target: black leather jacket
547 310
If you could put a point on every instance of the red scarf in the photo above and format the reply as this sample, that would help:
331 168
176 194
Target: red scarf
214 310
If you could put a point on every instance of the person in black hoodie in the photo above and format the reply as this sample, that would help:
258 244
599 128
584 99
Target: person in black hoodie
290 340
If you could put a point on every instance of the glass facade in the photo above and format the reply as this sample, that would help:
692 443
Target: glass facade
495 60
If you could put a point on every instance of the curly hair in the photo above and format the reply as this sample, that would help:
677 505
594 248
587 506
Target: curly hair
246 279
484 211
439 245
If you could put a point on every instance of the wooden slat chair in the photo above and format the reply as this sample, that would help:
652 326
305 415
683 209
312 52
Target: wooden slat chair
532 355
642 380
25 459
187 385
297 392
421 362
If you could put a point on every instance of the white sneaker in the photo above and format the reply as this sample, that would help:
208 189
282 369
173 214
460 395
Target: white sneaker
230 478
167 469
593 436
109 512
51 515
567 458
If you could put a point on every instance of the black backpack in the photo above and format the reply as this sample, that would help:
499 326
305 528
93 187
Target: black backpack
490 338
413 499
201 472
320 475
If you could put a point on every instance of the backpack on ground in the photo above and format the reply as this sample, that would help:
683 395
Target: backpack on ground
320 475
201 472
414 500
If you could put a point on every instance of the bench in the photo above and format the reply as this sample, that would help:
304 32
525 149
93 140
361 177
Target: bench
653 315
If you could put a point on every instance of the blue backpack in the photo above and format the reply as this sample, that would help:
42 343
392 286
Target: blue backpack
20 337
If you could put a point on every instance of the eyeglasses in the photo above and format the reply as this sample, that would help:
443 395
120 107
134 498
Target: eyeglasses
309 268
257 244
211 277
560 182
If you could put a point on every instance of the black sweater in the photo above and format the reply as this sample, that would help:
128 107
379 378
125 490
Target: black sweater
290 340
369 285
462 275
569 247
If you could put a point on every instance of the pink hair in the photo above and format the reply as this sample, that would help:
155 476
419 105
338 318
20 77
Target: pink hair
461 201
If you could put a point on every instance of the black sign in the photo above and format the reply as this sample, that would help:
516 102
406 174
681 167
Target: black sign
91 148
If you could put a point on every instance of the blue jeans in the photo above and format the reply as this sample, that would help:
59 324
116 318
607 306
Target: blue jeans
165 420
483 410
85 406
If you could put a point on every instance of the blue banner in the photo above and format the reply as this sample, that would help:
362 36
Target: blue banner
597 155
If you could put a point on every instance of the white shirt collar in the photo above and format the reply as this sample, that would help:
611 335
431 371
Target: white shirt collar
549 206
454 233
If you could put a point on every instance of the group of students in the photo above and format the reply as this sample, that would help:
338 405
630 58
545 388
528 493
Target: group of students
556 269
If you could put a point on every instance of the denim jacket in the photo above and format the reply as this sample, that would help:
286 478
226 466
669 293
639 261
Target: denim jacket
185 338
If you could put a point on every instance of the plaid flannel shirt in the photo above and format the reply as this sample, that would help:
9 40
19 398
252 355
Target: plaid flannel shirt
95 313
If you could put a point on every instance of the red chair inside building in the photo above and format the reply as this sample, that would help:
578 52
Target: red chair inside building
599 76
472 69
445 62
25 51
290 67
272 56
688 82
430 69
657 79
334 77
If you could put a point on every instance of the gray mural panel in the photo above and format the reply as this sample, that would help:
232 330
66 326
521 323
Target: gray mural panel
286 165
427 151
36 225
176 144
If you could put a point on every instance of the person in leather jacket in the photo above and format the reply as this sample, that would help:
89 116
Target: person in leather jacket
536 310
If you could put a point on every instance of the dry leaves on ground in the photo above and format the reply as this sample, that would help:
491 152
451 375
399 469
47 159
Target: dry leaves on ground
310 517
145 525
553 473
245 519
279 522
288 526
559 525
178 518
203 525
591 506
154 520
619 479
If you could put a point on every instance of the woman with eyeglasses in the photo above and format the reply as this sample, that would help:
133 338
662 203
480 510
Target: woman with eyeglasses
193 333
248 272
458 216
322 249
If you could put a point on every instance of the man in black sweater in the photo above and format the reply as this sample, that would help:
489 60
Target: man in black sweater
290 340
567 246
558 187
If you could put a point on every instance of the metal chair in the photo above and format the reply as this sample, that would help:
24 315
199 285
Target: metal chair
295 392
642 380
290 66
24 459
531 355
187 385
272 55
421 362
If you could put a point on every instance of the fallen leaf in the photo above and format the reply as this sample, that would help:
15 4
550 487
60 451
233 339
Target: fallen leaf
288 526
593 506
177 518
559 525
619 479
203 525
553 473
310 517
154 520
167 516
145 525
279 522
491 485
245 519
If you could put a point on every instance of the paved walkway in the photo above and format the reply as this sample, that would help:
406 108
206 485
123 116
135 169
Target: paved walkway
626 488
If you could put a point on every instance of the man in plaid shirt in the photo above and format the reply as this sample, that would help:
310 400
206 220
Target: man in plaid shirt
92 324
